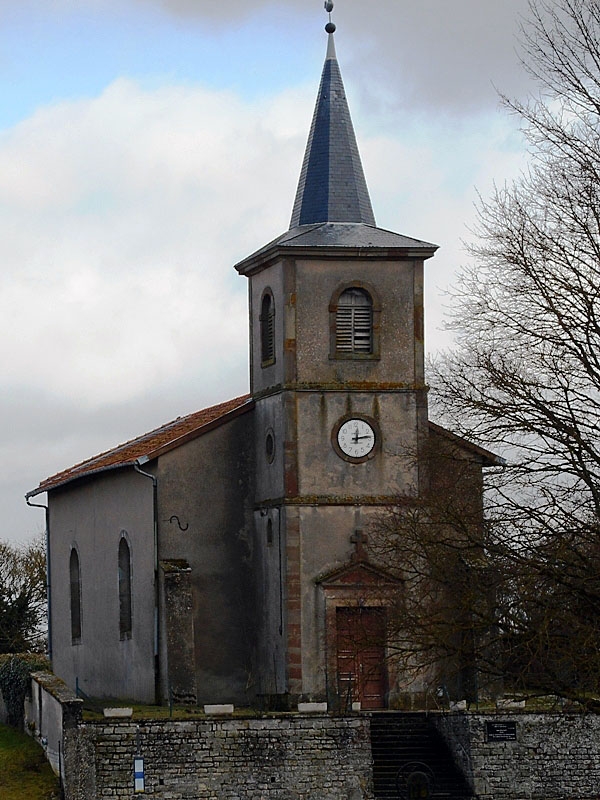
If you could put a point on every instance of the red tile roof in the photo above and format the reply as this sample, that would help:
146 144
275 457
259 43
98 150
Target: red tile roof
152 444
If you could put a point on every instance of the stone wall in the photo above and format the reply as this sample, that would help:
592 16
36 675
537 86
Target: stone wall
49 712
554 756
300 756
280 758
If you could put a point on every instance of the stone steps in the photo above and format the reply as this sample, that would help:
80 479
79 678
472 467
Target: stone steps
411 759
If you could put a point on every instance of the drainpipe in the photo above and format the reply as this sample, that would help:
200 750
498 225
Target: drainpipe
48 585
137 467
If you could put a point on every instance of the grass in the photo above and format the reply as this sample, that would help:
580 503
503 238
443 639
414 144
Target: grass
24 772
533 704
154 712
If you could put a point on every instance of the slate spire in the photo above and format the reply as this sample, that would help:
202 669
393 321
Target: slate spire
332 186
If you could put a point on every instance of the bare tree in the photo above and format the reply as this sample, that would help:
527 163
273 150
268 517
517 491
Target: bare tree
444 627
524 380
484 607
22 597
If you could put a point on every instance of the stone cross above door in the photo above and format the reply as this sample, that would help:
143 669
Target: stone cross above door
359 539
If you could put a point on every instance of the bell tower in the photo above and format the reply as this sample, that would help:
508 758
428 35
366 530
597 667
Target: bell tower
337 375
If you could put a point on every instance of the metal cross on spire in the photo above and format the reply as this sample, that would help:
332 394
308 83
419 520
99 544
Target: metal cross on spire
330 27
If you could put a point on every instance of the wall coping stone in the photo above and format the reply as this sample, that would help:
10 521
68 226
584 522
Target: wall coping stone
308 708
57 688
118 712
219 708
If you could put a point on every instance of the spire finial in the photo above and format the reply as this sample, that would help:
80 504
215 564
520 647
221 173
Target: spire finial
330 27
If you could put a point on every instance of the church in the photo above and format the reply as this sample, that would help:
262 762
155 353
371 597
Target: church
224 557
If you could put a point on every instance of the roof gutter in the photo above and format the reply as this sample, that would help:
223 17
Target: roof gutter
137 467
48 582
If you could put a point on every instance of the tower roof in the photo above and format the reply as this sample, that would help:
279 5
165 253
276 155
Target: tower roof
332 214
337 239
332 186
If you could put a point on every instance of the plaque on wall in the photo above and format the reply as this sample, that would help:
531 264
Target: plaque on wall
501 731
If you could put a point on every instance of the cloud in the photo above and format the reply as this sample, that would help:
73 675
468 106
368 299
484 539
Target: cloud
120 219
222 12
440 55
427 54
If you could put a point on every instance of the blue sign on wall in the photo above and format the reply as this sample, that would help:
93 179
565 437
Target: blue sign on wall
138 775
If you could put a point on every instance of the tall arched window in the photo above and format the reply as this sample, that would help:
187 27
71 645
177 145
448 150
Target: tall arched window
354 322
75 584
267 329
125 625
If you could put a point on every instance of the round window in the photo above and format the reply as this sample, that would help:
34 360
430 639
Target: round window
270 446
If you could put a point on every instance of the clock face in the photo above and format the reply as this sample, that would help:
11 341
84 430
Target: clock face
356 438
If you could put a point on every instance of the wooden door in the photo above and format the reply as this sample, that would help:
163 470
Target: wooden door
361 668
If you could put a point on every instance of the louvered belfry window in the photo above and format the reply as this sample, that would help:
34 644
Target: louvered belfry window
354 322
267 329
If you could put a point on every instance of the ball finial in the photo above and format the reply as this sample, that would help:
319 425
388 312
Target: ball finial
330 27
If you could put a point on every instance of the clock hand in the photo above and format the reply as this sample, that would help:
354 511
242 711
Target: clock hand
366 436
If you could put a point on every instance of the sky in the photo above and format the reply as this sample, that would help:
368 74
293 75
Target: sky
146 146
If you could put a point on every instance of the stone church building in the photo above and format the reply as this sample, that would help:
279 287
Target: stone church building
224 557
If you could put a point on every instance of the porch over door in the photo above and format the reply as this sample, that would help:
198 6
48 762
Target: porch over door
361 669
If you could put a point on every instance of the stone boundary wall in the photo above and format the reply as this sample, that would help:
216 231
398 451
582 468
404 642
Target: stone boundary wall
279 758
554 756
51 710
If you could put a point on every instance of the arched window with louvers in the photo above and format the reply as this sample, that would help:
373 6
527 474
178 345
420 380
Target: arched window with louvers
354 315
267 329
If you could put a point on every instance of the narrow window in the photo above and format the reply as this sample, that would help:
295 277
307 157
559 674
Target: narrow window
267 329
124 589
75 583
354 322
